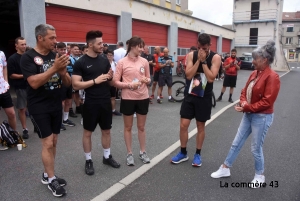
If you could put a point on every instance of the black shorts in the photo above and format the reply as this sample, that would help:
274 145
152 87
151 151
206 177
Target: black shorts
113 91
66 92
229 81
94 114
165 79
196 107
155 76
47 123
5 100
129 107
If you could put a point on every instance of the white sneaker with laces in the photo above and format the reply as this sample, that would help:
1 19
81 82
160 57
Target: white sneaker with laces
258 180
221 172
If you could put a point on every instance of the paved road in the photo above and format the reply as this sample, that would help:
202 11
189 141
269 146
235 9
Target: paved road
21 170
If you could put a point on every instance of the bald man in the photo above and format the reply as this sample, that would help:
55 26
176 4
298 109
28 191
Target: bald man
166 63
157 54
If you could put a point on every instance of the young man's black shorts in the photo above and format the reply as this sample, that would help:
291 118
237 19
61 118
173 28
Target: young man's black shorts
129 107
47 123
66 92
165 80
5 100
100 113
155 76
229 81
196 107
113 91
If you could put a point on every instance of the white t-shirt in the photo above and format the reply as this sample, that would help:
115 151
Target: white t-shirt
4 86
119 54
113 65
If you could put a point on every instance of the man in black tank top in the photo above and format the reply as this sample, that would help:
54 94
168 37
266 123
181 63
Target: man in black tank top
202 69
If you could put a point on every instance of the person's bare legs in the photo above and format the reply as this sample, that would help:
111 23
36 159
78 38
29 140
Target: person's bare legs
183 135
48 153
22 116
113 103
128 122
87 141
105 139
141 121
11 115
154 87
200 135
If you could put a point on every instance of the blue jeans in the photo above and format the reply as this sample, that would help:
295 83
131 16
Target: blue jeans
257 124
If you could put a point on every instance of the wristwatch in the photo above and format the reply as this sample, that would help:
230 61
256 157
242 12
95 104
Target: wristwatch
204 62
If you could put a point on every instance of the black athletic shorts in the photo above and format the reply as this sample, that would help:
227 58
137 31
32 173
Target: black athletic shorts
229 81
113 91
100 113
155 76
129 107
66 92
196 107
5 100
165 79
47 123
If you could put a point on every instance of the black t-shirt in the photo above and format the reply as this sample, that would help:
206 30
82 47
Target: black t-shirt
90 68
13 67
149 57
46 98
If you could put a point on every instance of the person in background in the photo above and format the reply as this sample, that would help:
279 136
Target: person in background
257 104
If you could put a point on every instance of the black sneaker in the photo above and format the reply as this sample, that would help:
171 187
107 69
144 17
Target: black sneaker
117 113
61 181
72 114
25 134
159 101
89 169
62 127
172 100
56 189
110 161
219 99
68 123
230 100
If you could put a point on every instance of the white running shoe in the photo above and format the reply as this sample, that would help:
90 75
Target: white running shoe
221 172
258 180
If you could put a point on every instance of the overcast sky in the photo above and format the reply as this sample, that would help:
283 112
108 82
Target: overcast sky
220 11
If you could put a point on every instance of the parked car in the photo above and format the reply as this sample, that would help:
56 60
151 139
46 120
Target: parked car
246 61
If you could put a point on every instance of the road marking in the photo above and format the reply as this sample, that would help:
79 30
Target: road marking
293 67
117 187
298 67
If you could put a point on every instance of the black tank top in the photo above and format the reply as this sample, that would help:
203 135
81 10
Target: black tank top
209 86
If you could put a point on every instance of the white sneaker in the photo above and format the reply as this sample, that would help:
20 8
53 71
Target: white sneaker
222 172
258 180
3 148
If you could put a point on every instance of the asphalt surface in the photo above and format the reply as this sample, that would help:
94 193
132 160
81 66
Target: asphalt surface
21 170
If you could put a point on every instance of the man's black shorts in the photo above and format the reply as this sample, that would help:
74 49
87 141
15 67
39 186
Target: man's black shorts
229 81
100 113
165 79
5 100
47 123
113 91
66 92
129 107
155 76
196 107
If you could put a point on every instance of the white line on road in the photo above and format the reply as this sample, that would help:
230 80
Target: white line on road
293 67
113 190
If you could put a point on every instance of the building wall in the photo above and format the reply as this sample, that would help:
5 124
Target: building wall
146 12
292 50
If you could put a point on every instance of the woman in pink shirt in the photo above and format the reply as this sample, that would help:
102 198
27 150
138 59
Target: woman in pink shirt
133 70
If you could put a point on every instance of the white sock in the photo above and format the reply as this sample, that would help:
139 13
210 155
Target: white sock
106 153
141 152
158 97
170 97
51 179
45 174
25 129
113 110
88 156
66 115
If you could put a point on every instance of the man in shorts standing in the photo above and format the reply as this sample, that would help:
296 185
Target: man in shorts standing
93 73
17 80
157 54
45 72
231 65
205 64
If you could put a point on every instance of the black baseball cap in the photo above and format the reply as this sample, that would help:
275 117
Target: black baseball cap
105 45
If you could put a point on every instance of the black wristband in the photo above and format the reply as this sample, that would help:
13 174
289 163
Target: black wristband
94 81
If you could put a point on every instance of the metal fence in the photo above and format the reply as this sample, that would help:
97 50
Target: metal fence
270 14
252 40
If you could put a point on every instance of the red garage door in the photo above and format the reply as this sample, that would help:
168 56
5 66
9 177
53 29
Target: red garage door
226 44
153 34
72 25
213 40
187 38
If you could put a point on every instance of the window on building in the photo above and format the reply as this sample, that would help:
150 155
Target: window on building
288 40
299 41
255 10
178 2
289 29
253 36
